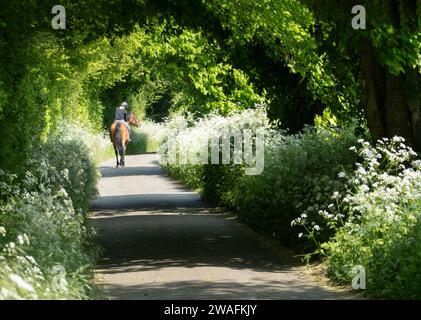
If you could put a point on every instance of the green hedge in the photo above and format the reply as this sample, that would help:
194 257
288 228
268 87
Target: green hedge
324 192
46 249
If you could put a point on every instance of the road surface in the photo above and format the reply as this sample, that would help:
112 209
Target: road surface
161 241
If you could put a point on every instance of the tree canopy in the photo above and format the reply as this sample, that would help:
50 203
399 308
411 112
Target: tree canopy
300 57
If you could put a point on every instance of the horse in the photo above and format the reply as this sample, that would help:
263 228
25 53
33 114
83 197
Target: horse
119 135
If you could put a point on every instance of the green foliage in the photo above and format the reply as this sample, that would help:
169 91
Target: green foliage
299 170
161 66
374 220
82 146
200 80
190 60
146 139
383 223
354 206
213 180
43 220
171 70
287 31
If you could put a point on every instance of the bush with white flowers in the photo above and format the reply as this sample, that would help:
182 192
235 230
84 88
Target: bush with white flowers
299 170
43 215
147 138
374 220
349 202
216 182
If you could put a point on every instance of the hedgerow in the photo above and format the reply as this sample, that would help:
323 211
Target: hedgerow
297 169
349 202
46 249
375 219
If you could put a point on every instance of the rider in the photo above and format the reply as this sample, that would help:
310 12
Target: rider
121 115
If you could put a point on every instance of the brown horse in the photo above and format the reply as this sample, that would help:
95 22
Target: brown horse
119 135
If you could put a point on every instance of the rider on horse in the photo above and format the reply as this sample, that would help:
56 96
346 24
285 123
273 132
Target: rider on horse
121 115
120 131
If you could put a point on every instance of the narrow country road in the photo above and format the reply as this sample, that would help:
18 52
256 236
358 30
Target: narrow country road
161 242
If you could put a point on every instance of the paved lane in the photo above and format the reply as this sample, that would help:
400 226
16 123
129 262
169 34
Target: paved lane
161 242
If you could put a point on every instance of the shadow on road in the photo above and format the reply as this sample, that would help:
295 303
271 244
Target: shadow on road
142 201
210 290
160 239
108 171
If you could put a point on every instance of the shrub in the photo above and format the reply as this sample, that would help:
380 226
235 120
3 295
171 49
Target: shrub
356 204
42 220
299 171
145 139
216 182
40 229
376 221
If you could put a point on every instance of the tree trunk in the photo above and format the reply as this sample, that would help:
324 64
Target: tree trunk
415 78
372 90
413 95
411 16
416 126
398 117
393 102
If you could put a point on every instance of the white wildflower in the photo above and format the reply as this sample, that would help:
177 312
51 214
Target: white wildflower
21 283
365 188
30 259
20 239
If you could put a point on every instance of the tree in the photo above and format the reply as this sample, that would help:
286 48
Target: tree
390 62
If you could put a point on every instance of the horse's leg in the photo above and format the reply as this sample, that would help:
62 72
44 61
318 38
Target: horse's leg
124 142
116 156
113 140
121 151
